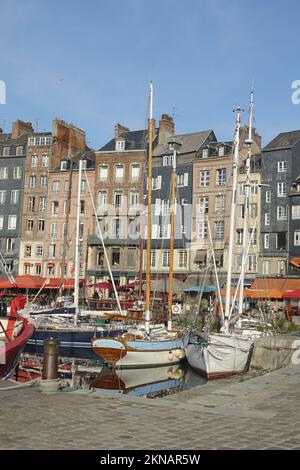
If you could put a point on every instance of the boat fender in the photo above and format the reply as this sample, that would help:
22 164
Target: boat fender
179 353
170 356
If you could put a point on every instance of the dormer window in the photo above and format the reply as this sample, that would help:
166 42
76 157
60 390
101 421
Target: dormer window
120 145
63 165
204 153
167 160
221 151
6 151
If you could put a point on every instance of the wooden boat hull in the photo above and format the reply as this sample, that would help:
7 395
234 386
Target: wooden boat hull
10 351
120 353
220 356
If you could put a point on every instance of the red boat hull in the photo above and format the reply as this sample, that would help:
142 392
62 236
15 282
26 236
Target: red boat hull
14 348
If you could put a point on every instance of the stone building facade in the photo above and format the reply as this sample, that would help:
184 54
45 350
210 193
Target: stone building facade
119 199
44 153
279 220
13 150
61 212
212 194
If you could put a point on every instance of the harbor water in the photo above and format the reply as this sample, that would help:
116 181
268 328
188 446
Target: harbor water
81 368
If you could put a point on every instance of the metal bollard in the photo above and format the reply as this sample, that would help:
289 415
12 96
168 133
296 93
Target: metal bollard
50 381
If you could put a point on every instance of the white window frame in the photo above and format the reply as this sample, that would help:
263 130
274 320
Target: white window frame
120 145
17 173
297 238
101 169
45 160
182 258
266 266
34 161
282 166
166 259
135 172
281 189
119 172
3 173
221 177
12 222
267 218
266 241
204 178
219 203
14 196
202 230
29 225
296 212
102 198
281 213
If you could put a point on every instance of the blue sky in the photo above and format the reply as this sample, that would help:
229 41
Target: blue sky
90 63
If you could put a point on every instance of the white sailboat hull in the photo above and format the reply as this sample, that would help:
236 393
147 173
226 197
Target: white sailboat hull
130 354
220 356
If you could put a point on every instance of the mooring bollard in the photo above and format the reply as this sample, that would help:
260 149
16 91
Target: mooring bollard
50 381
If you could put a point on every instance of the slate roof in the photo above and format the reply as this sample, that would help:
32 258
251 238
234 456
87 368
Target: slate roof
284 140
190 143
134 140
89 156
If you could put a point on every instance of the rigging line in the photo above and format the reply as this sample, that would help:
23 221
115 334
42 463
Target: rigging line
102 242
239 280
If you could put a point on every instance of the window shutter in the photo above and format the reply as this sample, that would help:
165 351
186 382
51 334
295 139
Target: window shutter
169 231
154 232
159 182
157 206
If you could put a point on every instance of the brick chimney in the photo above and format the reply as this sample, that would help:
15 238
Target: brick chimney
21 127
244 132
166 129
120 130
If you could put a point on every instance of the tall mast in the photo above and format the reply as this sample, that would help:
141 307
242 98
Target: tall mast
66 230
249 143
172 234
232 213
77 254
149 221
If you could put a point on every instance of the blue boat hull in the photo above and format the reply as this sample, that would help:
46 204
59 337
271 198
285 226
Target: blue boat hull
72 339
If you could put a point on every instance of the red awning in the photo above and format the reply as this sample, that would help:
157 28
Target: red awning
295 294
29 282
102 285
27 263
5 284
55 283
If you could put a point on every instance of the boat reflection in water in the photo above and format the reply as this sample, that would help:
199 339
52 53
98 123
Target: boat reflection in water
89 372
149 382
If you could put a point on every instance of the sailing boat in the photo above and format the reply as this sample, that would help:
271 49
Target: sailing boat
14 334
148 347
225 353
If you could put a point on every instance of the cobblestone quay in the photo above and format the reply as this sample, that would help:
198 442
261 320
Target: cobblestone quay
258 413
